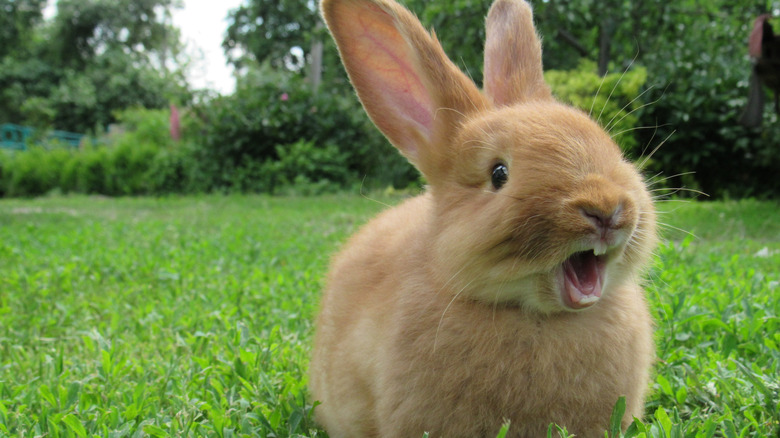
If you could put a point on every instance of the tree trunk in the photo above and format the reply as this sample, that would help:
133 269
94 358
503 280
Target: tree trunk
606 28
315 63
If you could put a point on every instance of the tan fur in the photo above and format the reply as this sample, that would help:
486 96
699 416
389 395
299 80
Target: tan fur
444 314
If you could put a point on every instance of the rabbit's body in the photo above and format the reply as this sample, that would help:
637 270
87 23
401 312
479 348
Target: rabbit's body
510 290
422 362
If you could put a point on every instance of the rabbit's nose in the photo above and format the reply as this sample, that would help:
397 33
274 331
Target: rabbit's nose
602 218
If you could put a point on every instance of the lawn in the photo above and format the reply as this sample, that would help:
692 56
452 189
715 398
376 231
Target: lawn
193 316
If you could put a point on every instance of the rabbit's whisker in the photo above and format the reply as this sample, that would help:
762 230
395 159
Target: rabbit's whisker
616 85
468 70
649 142
672 227
667 201
435 113
609 125
609 128
656 180
647 158
672 191
486 145
364 196
598 90
638 128
441 320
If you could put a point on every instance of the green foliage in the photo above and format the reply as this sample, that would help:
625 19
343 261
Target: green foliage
82 29
459 24
193 317
612 100
252 147
92 171
17 21
140 125
266 31
32 172
141 160
699 95
695 55
308 168
177 169
275 117
93 58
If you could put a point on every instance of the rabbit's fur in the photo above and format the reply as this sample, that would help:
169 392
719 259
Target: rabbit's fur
483 300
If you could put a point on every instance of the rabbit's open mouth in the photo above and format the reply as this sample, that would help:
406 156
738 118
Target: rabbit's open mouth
583 278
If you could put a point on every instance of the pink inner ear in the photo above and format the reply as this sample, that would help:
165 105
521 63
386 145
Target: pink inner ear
382 68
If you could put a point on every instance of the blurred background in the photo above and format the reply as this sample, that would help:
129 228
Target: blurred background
149 97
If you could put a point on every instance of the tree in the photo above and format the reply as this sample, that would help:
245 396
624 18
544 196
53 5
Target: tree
94 58
277 31
84 29
18 18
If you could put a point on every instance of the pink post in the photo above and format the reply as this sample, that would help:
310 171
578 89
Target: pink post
175 123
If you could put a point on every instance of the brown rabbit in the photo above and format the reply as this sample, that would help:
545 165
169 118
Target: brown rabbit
509 291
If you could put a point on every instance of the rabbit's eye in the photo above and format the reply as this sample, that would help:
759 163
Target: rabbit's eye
500 175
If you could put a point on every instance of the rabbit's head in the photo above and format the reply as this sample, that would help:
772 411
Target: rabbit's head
532 202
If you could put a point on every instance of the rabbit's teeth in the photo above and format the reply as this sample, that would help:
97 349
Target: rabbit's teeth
600 248
586 300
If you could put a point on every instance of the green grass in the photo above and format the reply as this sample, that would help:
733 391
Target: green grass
193 316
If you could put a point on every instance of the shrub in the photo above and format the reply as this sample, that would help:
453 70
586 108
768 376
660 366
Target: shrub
128 168
273 135
4 160
131 163
33 172
69 176
143 125
176 169
244 132
699 97
309 168
92 171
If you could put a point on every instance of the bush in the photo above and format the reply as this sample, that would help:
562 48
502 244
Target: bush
143 125
698 99
33 172
273 135
309 168
4 160
94 171
175 170
244 133
128 168
132 163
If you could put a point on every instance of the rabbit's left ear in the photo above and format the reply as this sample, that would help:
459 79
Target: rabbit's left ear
413 93
513 55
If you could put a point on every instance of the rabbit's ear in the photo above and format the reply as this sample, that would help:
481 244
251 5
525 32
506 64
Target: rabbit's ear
413 93
513 55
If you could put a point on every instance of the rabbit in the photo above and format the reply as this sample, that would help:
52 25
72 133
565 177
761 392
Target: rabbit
510 289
